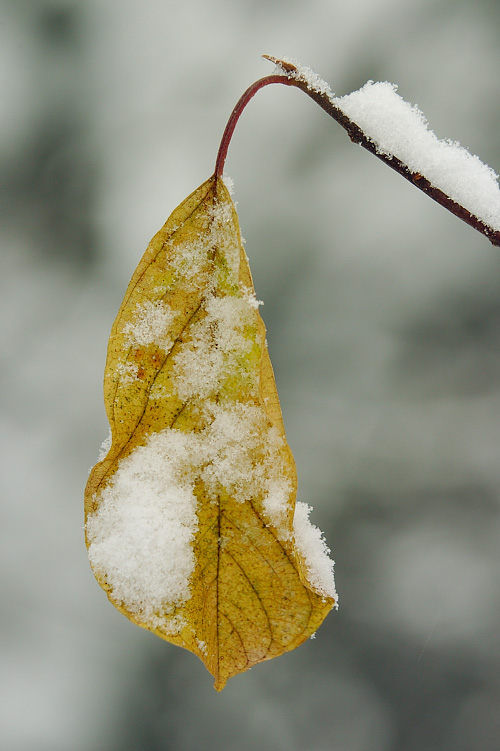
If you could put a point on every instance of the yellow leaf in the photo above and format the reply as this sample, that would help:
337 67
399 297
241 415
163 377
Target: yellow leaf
191 521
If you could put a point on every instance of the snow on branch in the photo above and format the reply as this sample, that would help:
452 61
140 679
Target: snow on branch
397 132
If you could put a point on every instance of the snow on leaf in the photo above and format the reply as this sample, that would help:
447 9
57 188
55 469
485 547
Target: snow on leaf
190 514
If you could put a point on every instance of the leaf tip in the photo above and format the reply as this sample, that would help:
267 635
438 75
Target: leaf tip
219 684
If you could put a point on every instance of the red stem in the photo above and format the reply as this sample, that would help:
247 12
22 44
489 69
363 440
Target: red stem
235 115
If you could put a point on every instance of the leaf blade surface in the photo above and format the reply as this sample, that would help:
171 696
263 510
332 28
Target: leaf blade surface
190 515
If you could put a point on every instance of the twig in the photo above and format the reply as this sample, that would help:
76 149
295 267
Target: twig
356 135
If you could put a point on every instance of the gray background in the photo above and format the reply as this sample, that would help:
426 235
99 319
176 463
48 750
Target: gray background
383 319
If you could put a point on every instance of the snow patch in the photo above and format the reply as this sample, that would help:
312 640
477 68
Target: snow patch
218 349
141 536
202 646
151 325
303 73
250 297
241 453
128 372
310 543
276 505
400 129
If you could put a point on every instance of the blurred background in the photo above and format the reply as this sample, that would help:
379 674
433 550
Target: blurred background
383 317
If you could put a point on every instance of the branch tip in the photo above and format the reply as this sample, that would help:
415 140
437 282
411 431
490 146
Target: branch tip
283 64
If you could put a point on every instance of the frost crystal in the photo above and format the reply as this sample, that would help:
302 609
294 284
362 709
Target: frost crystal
229 183
305 74
128 372
250 297
105 446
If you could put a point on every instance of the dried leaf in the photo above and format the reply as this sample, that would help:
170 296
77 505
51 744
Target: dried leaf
190 514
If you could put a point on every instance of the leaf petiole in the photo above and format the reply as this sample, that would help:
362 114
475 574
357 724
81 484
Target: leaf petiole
235 116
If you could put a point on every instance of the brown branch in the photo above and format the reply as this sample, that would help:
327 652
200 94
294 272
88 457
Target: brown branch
291 77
